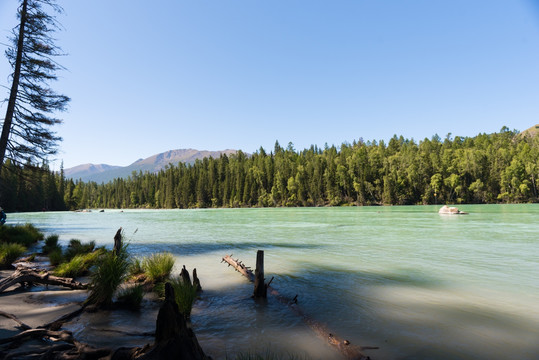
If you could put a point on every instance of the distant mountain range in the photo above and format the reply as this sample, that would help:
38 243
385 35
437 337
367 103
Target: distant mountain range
105 173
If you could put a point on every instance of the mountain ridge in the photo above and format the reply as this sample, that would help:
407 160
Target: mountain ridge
105 173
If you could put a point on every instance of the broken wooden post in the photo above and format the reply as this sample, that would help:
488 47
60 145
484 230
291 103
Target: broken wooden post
184 274
118 241
196 281
260 287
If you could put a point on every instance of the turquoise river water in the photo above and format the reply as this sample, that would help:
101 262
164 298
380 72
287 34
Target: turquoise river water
417 284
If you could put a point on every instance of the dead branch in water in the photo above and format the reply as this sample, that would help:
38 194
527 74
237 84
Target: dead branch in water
239 266
352 352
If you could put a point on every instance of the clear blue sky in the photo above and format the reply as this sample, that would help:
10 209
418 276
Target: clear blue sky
146 77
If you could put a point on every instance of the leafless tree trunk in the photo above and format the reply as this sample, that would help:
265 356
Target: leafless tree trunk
6 128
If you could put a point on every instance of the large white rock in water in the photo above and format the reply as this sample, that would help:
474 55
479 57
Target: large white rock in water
450 210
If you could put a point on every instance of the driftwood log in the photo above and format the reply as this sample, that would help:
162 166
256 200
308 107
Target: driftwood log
349 351
24 275
240 267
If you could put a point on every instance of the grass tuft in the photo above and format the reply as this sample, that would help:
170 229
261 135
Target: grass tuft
51 244
110 272
78 265
158 267
9 253
25 235
135 268
185 295
76 247
131 298
56 257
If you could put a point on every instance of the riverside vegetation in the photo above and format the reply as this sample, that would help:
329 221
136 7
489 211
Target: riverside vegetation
488 168
118 280
115 282
107 269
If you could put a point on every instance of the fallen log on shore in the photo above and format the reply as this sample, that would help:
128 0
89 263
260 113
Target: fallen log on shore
29 276
352 352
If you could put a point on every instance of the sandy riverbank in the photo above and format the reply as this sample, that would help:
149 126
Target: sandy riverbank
40 305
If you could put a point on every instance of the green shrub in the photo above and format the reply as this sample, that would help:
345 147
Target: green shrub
131 298
185 295
110 272
158 267
78 265
9 253
75 248
25 235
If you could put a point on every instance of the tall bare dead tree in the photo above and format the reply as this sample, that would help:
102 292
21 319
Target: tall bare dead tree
26 136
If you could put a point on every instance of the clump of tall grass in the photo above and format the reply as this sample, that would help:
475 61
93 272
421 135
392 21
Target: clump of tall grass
131 297
185 294
76 247
25 235
110 272
56 256
9 253
79 265
135 268
158 267
51 244
53 250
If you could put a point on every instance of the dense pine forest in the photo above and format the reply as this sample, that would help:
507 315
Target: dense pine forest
488 168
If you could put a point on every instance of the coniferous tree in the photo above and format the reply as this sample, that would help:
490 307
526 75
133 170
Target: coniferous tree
26 136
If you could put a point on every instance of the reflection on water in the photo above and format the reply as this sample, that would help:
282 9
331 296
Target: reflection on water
414 283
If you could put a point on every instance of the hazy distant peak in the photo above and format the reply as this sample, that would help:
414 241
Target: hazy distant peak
83 170
105 173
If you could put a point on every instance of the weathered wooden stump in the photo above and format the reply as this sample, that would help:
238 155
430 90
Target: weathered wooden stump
196 281
118 241
184 274
260 286
173 338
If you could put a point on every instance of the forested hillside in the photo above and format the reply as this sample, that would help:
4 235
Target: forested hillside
487 168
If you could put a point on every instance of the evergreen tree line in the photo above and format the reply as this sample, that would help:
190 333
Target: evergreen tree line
493 168
31 188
